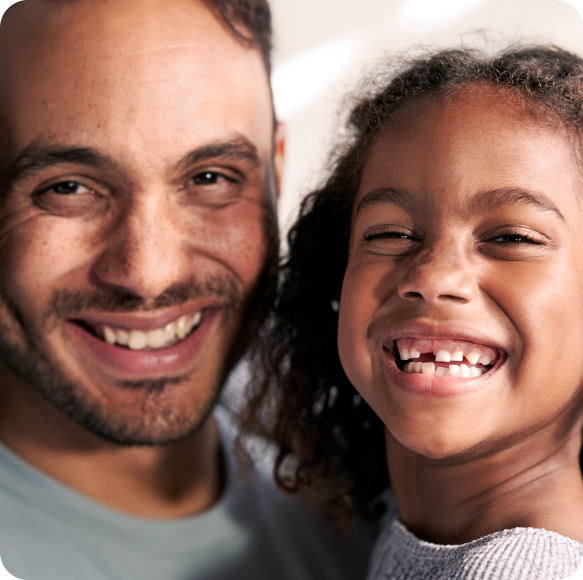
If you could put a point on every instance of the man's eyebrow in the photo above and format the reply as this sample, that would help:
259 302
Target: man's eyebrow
36 157
496 198
399 196
239 148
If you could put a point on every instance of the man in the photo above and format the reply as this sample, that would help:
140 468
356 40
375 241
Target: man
140 164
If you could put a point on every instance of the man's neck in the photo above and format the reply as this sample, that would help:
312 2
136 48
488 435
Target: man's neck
534 484
170 481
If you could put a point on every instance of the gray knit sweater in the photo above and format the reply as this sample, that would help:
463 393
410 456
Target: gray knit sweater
516 554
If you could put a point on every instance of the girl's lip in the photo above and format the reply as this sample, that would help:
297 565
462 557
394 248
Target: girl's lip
433 385
142 364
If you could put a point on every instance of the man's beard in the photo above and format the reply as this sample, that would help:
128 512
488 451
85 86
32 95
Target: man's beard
156 419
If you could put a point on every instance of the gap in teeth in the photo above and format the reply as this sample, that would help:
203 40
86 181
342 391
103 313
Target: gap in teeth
445 351
453 370
153 339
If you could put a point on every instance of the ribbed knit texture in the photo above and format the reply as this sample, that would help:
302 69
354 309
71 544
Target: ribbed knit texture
516 554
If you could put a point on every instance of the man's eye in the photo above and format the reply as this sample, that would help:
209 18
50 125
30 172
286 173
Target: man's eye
69 188
207 178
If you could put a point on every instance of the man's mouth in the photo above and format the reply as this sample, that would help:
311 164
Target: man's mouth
154 339
444 357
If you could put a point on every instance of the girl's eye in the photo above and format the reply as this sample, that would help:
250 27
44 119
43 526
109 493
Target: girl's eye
390 240
387 235
69 188
515 239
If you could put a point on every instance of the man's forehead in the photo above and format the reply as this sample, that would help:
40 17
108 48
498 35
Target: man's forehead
115 25
86 65
98 38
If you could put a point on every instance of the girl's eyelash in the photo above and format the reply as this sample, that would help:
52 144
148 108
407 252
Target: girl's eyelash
515 238
387 234
507 237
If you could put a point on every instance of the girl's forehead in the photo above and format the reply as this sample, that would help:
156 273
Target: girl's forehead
457 147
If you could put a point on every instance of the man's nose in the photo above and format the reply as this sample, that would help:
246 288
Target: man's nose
146 249
439 277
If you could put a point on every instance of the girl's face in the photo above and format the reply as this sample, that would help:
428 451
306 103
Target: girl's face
461 315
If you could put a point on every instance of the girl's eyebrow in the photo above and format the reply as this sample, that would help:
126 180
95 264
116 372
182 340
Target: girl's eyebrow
399 196
481 202
493 199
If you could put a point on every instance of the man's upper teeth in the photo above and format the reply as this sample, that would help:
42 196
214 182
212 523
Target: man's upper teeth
446 350
157 338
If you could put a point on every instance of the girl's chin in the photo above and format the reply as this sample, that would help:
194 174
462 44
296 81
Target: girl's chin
442 429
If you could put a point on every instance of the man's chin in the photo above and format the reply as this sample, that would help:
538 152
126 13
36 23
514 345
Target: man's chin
130 412
146 412
152 426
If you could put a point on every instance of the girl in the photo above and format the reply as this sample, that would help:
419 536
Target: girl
431 320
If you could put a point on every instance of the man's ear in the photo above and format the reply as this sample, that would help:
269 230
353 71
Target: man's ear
279 154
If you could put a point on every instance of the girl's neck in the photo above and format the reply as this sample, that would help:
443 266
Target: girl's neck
536 483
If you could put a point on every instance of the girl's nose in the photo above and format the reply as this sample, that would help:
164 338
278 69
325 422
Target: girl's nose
437 279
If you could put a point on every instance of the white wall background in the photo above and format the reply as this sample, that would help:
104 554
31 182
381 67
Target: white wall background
324 46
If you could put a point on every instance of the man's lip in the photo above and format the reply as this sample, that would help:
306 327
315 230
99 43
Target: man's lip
134 364
144 321
436 331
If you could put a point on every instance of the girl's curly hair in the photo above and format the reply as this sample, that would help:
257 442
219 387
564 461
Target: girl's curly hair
329 439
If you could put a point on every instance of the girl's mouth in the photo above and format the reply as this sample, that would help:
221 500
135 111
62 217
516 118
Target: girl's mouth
444 357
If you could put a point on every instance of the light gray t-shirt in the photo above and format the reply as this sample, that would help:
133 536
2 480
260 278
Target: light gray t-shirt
515 554
50 532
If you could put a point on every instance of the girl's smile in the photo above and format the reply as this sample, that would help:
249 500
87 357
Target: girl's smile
461 315
423 362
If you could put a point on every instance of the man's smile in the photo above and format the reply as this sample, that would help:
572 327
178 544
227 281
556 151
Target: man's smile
138 339
145 348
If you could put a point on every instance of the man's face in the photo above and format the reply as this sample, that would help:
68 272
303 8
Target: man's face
137 143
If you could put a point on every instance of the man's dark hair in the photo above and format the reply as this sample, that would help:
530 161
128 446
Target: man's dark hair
250 23
330 440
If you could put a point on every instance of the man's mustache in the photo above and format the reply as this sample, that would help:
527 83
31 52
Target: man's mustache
69 303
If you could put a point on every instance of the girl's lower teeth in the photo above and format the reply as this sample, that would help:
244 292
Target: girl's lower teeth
429 368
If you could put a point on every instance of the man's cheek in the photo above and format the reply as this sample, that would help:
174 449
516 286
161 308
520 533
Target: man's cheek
243 243
39 258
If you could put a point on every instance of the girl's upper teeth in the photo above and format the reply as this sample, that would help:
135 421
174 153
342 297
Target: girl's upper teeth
153 339
445 350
